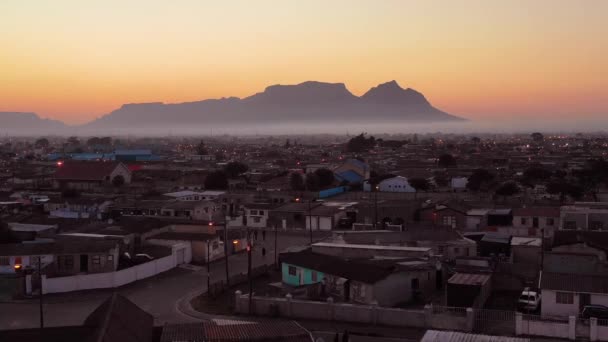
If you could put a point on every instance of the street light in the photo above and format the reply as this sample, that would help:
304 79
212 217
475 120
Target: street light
376 207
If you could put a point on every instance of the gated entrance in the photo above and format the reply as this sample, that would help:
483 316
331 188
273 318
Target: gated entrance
494 322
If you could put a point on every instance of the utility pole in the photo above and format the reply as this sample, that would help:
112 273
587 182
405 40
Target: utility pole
310 219
276 262
226 253
249 247
208 271
40 298
376 207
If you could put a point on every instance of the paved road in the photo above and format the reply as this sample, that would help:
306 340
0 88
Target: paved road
158 295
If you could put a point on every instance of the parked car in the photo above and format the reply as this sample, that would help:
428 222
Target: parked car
597 311
529 300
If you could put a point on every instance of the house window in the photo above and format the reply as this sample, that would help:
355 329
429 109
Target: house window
261 212
564 297
571 225
596 225
456 250
449 221
110 258
314 276
550 222
5 261
253 212
96 260
523 221
65 262
292 270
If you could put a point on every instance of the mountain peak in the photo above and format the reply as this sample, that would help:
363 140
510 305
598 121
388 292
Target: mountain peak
392 93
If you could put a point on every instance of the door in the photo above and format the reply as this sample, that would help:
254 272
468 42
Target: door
84 263
535 222
584 299
438 279
180 256
347 291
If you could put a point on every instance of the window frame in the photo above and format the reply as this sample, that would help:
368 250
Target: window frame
566 298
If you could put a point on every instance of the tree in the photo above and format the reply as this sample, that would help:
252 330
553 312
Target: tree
507 189
312 182
325 177
235 169
360 143
296 182
535 174
73 141
420 184
118 181
6 234
201 149
93 141
563 189
479 178
592 176
216 180
446 160
537 136
105 141
42 143
441 180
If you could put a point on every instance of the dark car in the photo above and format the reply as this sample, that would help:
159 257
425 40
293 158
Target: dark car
597 311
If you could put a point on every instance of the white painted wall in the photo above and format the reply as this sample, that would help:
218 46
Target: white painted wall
395 184
114 279
549 307
459 183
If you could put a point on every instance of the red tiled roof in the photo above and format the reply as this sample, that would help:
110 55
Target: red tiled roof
254 331
91 171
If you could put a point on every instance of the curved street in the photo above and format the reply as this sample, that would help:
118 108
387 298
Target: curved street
158 295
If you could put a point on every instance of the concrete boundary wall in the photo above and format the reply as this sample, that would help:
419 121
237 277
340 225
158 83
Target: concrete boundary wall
354 313
112 279
427 318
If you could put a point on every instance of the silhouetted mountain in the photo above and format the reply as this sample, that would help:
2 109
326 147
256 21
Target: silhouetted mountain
15 123
390 93
308 102
311 102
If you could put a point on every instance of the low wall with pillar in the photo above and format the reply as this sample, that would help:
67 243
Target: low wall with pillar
353 313
570 329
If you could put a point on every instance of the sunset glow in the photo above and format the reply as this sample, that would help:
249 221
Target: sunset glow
78 60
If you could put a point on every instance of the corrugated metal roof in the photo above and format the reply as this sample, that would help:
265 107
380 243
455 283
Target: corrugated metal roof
469 279
454 336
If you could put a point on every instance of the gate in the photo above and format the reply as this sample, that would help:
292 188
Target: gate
494 322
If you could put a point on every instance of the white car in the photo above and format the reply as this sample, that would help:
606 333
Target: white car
529 300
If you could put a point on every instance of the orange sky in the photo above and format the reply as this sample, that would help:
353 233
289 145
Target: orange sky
74 61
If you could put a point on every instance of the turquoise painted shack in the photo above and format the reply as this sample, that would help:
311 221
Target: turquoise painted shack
300 276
